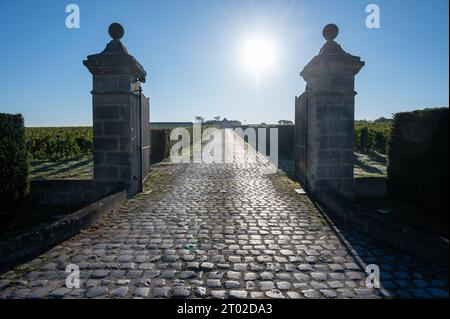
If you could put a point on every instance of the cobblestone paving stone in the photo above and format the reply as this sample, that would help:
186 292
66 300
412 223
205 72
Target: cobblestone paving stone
221 231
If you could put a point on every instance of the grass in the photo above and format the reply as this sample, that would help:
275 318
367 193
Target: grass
80 168
370 164
154 178
366 165
284 181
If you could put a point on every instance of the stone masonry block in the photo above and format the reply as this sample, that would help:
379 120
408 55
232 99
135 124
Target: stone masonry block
324 142
329 157
105 84
106 112
340 142
323 183
124 112
349 99
99 158
335 142
111 99
340 171
320 83
348 187
348 156
118 158
342 82
326 100
117 128
340 127
125 82
323 171
125 173
97 128
335 112
322 128
106 173
124 144
105 144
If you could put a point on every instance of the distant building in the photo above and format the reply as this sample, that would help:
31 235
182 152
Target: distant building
163 125
285 122
224 123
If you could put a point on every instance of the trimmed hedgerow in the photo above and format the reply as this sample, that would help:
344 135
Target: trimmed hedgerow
418 159
14 183
159 144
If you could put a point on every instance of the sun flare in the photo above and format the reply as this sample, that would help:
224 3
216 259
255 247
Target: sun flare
258 54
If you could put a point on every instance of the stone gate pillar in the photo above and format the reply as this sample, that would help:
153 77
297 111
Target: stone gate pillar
330 103
116 113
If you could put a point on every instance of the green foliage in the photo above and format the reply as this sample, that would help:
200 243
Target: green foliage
79 168
372 136
59 143
66 143
13 160
160 144
418 159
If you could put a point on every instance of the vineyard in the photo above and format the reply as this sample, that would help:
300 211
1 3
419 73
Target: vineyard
58 143
66 152
372 136
63 143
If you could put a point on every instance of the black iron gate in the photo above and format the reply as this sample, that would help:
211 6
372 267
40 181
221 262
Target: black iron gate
301 139
145 137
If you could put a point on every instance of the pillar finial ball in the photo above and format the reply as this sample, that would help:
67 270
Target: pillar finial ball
330 32
116 31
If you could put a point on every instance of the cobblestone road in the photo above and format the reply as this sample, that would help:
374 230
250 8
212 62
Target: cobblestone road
221 231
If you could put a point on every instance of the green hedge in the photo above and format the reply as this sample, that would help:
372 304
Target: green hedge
418 159
159 144
13 160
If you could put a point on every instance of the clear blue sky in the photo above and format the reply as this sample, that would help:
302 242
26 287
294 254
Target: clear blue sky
189 49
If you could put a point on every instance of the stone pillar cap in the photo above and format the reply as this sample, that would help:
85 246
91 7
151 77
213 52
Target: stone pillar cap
115 59
330 32
116 31
332 59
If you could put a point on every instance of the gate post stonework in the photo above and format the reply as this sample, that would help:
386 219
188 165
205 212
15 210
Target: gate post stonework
117 116
325 134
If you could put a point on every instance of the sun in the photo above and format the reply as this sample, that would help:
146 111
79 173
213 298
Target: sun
258 54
